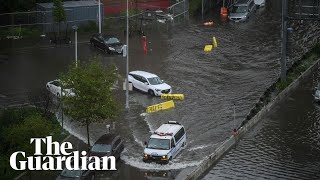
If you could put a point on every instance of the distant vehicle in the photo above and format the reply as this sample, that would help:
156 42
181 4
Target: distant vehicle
55 88
166 142
260 3
107 145
242 10
76 174
317 94
149 83
107 43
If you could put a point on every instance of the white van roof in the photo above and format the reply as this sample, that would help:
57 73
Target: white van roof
167 131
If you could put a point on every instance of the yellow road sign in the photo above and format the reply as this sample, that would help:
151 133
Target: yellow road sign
160 107
173 96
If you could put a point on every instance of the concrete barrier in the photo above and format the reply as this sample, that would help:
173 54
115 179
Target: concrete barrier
231 141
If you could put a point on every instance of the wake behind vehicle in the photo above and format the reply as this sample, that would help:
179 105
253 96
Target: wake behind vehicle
242 10
107 43
149 83
165 143
55 88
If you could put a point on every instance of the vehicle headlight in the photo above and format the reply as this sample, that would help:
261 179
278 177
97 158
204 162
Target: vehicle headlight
111 48
158 89
164 157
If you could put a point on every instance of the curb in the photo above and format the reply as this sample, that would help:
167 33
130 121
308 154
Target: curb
232 140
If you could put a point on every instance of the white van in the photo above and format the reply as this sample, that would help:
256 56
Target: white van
165 143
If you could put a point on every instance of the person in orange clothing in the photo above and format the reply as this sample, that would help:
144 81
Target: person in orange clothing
144 43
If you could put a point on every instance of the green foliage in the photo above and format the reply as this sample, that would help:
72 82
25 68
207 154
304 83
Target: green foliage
58 12
93 100
194 6
17 126
32 126
307 60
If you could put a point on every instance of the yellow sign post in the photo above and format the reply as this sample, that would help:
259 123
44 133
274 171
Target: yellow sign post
160 107
215 44
173 96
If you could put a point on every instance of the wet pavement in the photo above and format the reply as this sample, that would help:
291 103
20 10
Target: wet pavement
245 63
284 145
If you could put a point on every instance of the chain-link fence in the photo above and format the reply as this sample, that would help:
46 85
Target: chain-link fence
179 11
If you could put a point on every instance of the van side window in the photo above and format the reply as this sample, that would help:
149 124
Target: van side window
172 143
179 135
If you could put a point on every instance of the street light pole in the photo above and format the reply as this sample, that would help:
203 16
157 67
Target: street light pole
234 116
284 41
127 66
99 17
75 28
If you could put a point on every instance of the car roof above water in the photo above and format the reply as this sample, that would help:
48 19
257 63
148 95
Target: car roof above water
144 74
242 2
106 139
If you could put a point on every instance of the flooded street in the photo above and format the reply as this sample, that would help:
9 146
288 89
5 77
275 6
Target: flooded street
245 63
284 145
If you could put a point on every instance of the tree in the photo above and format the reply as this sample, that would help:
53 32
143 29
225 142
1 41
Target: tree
93 101
59 15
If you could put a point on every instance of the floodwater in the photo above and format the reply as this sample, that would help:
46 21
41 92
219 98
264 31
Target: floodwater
245 63
284 145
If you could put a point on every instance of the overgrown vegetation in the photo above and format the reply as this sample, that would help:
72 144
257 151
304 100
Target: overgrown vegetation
194 6
17 126
299 67
293 73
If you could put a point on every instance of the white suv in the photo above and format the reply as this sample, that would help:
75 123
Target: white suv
149 83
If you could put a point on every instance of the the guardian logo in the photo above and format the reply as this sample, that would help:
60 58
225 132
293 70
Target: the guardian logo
56 155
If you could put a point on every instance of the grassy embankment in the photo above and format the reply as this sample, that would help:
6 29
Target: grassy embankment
292 74
17 126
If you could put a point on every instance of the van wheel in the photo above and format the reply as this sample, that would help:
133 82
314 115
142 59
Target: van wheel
184 143
151 92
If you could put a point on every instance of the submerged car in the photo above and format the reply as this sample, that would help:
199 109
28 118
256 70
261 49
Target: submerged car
107 145
107 43
242 10
260 3
55 88
149 83
76 175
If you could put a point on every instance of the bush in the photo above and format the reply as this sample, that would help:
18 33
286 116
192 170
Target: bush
17 126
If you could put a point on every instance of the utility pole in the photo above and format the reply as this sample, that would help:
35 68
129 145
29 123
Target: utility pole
75 28
99 17
284 40
127 66
234 116
202 9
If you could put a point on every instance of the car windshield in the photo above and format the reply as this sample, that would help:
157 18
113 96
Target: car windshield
112 40
155 81
239 9
159 144
101 148
71 173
